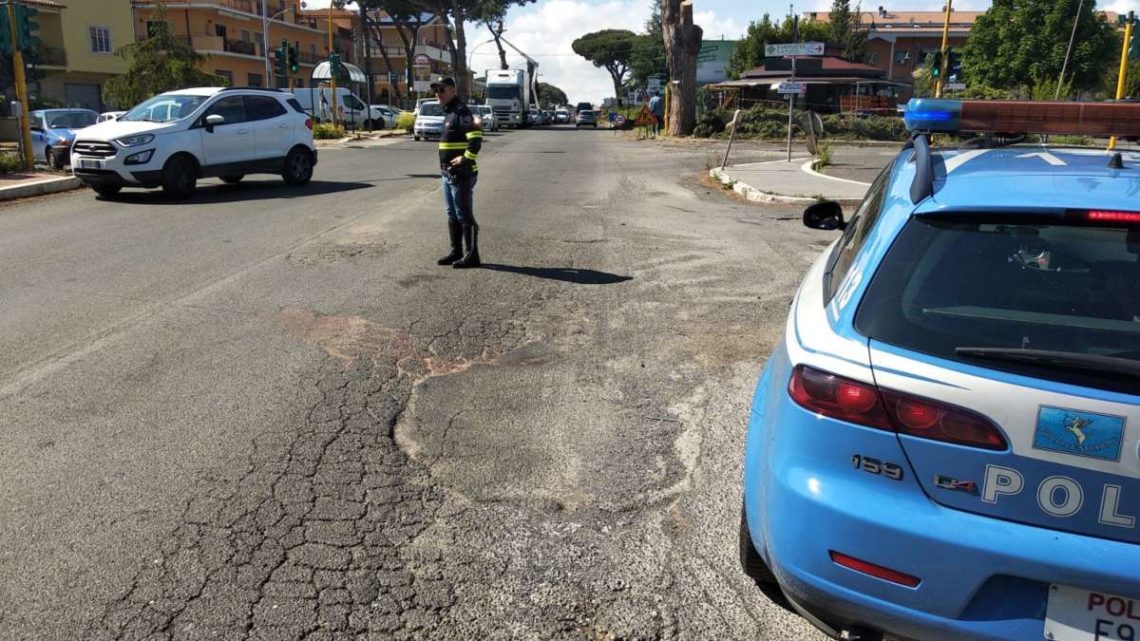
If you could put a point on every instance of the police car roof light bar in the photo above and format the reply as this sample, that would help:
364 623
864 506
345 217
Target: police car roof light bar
931 115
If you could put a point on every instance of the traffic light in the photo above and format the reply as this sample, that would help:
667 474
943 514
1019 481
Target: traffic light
338 70
954 65
1134 47
5 32
294 64
280 53
26 27
936 65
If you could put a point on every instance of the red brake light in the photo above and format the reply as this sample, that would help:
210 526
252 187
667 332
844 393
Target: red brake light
864 404
877 571
309 124
838 397
940 422
1112 216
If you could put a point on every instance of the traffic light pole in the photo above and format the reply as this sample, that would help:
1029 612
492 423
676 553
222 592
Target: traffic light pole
332 67
21 90
941 81
1123 69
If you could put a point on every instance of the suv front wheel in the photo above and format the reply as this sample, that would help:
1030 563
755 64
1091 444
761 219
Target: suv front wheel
298 167
180 176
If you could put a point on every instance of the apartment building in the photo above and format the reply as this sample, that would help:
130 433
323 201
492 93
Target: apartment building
898 42
385 54
76 53
233 34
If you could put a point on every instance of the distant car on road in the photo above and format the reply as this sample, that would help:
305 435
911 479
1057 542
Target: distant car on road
586 118
486 117
54 130
561 116
384 115
429 122
175 138
943 444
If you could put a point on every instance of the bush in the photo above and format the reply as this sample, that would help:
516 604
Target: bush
326 131
10 163
851 127
406 121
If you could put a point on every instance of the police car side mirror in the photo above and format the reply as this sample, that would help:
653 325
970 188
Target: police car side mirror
826 215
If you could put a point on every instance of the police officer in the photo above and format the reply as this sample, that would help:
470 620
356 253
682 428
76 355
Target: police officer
459 145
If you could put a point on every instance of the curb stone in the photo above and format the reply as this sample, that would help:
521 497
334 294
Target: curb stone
755 195
48 186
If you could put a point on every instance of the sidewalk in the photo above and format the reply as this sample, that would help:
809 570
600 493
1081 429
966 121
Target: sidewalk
25 185
780 181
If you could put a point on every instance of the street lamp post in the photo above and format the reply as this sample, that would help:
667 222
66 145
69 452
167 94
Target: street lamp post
265 20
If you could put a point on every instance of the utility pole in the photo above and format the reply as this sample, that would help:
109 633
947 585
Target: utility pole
1069 51
367 61
21 88
332 67
265 42
945 51
1123 68
792 96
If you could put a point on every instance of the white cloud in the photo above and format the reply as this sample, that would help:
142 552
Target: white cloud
716 28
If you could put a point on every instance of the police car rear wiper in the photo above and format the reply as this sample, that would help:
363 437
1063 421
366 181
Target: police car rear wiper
1055 359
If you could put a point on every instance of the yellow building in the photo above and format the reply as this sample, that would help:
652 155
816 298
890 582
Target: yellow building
232 34
76 56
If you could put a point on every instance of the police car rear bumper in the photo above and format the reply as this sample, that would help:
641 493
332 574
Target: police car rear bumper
981 578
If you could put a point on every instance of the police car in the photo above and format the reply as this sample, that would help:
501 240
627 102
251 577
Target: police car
945 445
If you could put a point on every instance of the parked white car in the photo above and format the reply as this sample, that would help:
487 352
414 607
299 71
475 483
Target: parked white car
385 115
175 138
486 117
429 122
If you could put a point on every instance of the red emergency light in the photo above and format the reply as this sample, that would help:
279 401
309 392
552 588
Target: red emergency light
1026 117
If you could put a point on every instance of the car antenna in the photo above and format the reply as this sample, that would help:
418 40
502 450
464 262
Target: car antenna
1116 162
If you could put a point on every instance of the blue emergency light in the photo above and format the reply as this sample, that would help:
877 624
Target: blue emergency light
937 115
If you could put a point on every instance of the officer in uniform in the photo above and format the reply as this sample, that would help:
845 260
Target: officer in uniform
459 145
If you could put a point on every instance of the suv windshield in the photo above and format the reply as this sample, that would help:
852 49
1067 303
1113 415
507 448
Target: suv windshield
431 109
1036 296
164 108
71 119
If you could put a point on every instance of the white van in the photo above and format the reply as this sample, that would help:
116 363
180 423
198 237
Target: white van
317 101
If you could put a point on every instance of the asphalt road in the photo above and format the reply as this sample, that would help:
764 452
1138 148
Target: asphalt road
267 414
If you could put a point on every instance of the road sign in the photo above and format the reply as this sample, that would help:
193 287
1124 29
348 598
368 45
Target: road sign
794 49
955 86
798 88
421 60
645 117
393 77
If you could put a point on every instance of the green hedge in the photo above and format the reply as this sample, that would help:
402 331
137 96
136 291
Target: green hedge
772 124
10 163
327 130
406 120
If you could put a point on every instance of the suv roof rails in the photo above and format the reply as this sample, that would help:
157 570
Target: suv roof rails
253 89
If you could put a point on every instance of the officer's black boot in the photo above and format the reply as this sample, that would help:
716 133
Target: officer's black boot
455 230
471 258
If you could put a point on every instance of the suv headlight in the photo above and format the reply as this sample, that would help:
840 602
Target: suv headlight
134 141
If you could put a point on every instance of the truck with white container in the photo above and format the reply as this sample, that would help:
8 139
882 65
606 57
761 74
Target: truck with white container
508 95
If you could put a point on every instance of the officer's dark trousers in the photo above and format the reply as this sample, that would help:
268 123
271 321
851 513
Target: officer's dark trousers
459 197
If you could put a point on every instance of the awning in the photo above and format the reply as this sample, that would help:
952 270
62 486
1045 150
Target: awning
321 72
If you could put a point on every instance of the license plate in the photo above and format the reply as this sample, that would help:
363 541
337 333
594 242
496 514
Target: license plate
90 164
1074 614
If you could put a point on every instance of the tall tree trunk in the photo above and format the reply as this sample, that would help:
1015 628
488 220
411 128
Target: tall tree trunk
379 34
459 50
682 44
497 34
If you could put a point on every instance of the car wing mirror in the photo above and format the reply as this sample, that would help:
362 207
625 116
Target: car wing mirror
213 120
826 215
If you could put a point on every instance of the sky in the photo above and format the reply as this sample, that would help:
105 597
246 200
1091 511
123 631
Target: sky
545 29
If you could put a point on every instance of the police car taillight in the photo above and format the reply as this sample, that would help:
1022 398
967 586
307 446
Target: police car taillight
1097 216
864 404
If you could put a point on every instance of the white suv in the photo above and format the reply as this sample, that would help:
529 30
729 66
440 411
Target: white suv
175 138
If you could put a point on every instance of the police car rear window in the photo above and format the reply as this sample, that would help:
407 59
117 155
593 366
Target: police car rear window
1016 286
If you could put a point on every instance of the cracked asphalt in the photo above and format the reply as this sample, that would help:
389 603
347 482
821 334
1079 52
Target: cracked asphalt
266 414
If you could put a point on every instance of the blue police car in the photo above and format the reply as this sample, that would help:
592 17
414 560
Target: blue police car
945 445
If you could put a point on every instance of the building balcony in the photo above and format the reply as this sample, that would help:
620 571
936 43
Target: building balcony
49 57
